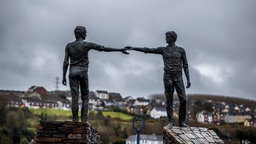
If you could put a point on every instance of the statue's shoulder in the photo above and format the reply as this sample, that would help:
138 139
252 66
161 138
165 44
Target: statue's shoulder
84 43
87 43
180 48
161 48
71 43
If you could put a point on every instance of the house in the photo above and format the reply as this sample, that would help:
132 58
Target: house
247 109
38 89
145 139
32 102
33 95
109 102
94 100
13 92
126 99
217 107
215 118
64 105
222 118
204 117
14 100
158 112
36 103
35 100
159 101
134 109
102 94
51 105
190 116
115 96
249 123
141 102
130 102
226 109
238 118
120 102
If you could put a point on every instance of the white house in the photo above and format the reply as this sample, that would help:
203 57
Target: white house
109 102
141 102
102 94
145 139
204 117
158 112
14 101
94 101
229 118
63 105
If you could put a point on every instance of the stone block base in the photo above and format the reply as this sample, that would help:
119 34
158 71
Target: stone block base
190 135
66 133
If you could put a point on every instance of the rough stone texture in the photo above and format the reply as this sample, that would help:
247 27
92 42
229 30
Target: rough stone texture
66 132
190 135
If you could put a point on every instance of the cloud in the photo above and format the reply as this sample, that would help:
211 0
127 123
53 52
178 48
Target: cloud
218 37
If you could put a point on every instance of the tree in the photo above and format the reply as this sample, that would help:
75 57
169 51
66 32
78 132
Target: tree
62 96
21 117
12 120
3 104
16 135
44 116
119 141
99 115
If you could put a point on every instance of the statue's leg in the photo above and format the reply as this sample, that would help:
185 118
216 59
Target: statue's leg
180 89
169 89
74 87
85 98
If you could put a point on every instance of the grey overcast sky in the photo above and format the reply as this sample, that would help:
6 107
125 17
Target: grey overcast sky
219 37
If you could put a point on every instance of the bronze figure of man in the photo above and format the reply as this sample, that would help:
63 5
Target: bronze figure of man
76 56
174 59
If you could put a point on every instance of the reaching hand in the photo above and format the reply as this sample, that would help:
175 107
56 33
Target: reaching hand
128 48
188 84
124 51
64 81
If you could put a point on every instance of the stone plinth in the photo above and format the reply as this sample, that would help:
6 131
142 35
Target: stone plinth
190 135
66 132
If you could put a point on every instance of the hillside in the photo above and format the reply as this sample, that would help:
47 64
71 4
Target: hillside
226 99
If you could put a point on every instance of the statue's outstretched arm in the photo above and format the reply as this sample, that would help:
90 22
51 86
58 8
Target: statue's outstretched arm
108 49
145 49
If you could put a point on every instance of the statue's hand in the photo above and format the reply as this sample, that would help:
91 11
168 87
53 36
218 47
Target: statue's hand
188 84
128 48
64 81
124 51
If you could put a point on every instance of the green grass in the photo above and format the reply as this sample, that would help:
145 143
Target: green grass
51 112
67 113
117 115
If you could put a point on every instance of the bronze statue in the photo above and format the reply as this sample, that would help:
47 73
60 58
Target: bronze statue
76 55
175 59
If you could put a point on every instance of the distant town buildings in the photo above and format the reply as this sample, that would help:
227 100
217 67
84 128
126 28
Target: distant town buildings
158 112
223 113
102 94
213 112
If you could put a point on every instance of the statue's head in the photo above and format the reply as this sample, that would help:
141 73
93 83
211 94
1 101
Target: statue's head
80 32
170 36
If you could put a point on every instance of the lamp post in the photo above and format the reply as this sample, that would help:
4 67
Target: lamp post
137 119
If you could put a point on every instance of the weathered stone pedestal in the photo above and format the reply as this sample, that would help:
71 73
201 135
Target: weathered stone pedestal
190 135
66 133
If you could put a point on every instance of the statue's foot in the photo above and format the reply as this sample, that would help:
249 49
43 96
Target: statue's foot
170 125
75 120
183 125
